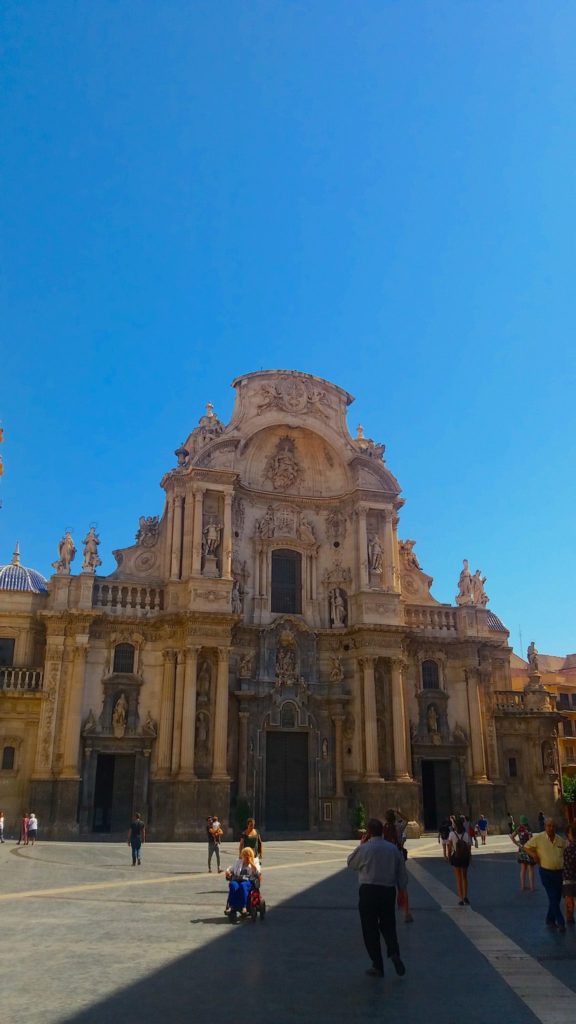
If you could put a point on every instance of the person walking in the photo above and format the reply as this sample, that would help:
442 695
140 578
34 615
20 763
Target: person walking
136 836
32 828
547 849
2 840
460 853
482 826
252 838
443 833
24 829
520 837
569 874
381 875
214 832
394 831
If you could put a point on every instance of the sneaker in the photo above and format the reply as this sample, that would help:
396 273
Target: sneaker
466 901
398 965
460 903
139 861
375 972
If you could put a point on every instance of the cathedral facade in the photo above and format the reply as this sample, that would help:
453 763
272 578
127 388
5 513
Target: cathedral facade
267 643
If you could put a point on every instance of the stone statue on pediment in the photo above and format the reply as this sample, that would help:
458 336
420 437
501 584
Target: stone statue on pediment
66 555
91 559
533 657
338 607
464 596
337 670
119 716
407 553
479 595
148 530
283 467
211 536
236 598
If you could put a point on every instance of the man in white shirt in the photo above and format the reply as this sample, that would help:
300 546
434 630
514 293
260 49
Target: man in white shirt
32 828
381 873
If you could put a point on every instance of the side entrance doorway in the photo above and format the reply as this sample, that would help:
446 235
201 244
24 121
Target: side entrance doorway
113 792
287 797
436 793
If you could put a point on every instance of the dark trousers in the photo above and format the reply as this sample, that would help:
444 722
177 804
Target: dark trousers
377 906
213 848
136 845
552 882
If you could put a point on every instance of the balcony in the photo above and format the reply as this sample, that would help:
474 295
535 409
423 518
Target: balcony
21 680
119 599
509 701
437 620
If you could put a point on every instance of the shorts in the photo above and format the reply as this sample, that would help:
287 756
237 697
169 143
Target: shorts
569 889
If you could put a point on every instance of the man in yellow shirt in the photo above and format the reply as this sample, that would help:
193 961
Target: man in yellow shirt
547 848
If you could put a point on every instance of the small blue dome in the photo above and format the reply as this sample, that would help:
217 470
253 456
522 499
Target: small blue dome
18 577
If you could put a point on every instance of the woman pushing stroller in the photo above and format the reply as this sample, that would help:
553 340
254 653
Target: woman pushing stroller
243 876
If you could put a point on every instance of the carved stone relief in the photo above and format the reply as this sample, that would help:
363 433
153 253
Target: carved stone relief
283 468
294 396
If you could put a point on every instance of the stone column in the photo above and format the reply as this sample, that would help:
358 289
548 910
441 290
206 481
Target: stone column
73 723
177 721
476 728
338 761
187 535
219 767
49 707
164 748
176 538
197 533
227 538
243 717
169 527
388 551
401 763
362 549
189 714
370 725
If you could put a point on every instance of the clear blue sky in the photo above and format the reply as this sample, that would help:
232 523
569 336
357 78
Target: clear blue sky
379 192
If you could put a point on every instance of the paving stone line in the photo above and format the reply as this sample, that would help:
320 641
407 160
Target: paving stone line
547 998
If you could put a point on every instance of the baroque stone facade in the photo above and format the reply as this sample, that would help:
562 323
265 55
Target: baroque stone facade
269 640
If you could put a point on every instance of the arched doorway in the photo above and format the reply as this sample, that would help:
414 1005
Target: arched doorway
287 797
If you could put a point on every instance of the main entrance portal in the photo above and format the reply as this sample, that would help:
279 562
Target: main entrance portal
286 807
114 792
436 792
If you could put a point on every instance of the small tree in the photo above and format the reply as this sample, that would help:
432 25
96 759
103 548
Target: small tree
569 793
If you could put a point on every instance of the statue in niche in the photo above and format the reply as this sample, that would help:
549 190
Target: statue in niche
91 559
305 531
150 727
203 683
202 722
533 657
265 526
547 757
211 536
285 665
236 598
375 553
245 666
338 612
337 670
283 468
464 596
66 555
336 525
324 749
119 715
349 725
408 555
459 734
479 596
432 719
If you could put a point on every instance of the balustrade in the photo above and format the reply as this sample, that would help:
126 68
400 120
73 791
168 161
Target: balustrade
120 598
21 680
508 700
436 619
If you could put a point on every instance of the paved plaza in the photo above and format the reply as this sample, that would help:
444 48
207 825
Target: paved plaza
87 938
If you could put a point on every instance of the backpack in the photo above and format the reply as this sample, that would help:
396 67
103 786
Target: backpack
462 848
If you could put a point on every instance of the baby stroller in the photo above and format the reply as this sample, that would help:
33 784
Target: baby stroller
255 906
